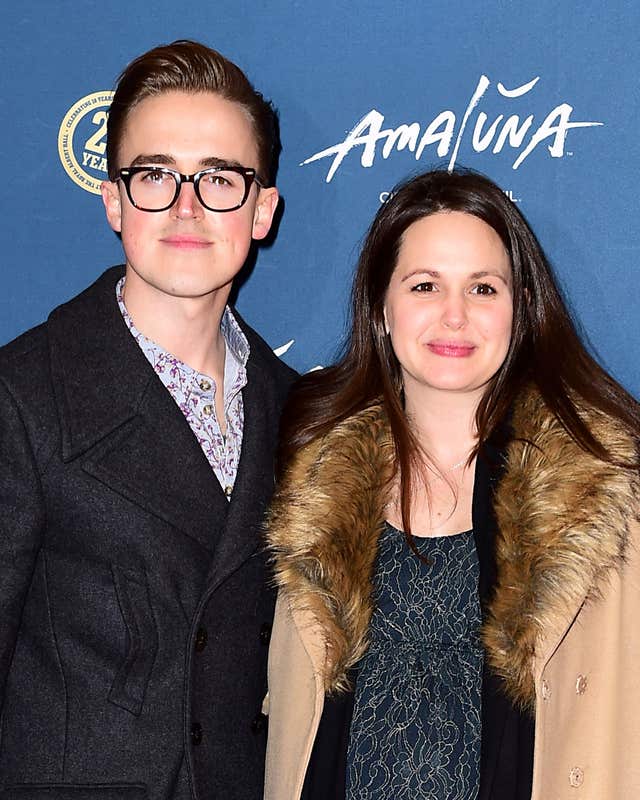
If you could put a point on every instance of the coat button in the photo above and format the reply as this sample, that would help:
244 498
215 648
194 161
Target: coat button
196 734
200 640
546 690
265 633
581 684
576 777
259 724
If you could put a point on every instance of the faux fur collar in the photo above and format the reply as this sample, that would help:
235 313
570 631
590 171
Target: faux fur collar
563 519
323 528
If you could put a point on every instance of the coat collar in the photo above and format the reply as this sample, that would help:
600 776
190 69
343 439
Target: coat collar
121 423
562 518
323 528
99 373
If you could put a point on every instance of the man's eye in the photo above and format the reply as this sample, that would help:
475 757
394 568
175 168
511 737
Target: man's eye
155 176
218 179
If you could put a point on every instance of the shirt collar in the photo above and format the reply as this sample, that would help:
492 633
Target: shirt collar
235 340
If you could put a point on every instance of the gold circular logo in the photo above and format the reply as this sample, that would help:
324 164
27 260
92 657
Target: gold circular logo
82 140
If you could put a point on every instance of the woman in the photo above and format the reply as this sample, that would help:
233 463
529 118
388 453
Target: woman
455 531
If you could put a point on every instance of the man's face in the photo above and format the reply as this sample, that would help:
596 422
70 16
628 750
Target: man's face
187 250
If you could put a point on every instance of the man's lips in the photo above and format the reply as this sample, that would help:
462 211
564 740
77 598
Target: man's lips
186 241
451 349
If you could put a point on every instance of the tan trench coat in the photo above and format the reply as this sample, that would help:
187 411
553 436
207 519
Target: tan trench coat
564 630
587 679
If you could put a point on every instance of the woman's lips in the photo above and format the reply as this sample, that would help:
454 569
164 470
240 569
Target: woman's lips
451 349
186 242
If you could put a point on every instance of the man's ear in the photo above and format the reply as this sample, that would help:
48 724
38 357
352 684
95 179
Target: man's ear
264 211
111 198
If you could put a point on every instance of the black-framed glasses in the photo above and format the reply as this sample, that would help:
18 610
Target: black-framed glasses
217 188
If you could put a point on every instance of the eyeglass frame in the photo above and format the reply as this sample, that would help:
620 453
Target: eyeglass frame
248 173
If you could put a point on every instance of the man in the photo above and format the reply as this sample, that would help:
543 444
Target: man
137 434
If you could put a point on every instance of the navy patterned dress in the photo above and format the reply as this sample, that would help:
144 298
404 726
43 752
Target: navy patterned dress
415 732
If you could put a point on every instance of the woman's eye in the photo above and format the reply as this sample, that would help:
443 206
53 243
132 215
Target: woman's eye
483 289
425 286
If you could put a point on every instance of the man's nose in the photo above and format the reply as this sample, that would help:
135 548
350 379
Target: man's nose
187 206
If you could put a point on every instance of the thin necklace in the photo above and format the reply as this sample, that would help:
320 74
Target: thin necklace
453 468
457 465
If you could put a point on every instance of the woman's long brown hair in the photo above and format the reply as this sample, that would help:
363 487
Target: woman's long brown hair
545 348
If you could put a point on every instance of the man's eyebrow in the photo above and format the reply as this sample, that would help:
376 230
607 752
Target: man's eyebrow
163 158
158 158
213 161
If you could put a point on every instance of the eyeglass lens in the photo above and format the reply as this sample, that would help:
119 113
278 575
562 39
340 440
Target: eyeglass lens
220 190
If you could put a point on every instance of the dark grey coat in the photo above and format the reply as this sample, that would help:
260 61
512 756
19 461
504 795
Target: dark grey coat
134 611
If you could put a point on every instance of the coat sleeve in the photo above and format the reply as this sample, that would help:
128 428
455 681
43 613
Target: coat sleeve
22 520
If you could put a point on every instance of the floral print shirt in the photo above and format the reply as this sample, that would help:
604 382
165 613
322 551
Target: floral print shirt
194 392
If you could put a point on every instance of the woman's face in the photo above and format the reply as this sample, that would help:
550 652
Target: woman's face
449 304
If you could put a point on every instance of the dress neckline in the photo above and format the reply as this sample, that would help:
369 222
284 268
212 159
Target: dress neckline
439 538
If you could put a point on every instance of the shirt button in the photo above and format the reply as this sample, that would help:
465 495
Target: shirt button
205 385
207 411
201 639
576 777
581 684
196 734
265 633
546 690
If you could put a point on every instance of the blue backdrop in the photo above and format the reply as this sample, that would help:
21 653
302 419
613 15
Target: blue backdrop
543 97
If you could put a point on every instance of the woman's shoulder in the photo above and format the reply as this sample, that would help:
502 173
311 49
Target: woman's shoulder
359 436
535 422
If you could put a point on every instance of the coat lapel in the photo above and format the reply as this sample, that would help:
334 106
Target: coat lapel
254 481
495 707
489 467
564 518
155 461
324 527
118 418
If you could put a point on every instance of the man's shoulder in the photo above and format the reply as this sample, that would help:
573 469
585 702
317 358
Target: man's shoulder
98 298
25 352
25 358
26 386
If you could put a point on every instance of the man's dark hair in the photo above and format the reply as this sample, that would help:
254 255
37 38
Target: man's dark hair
186 66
